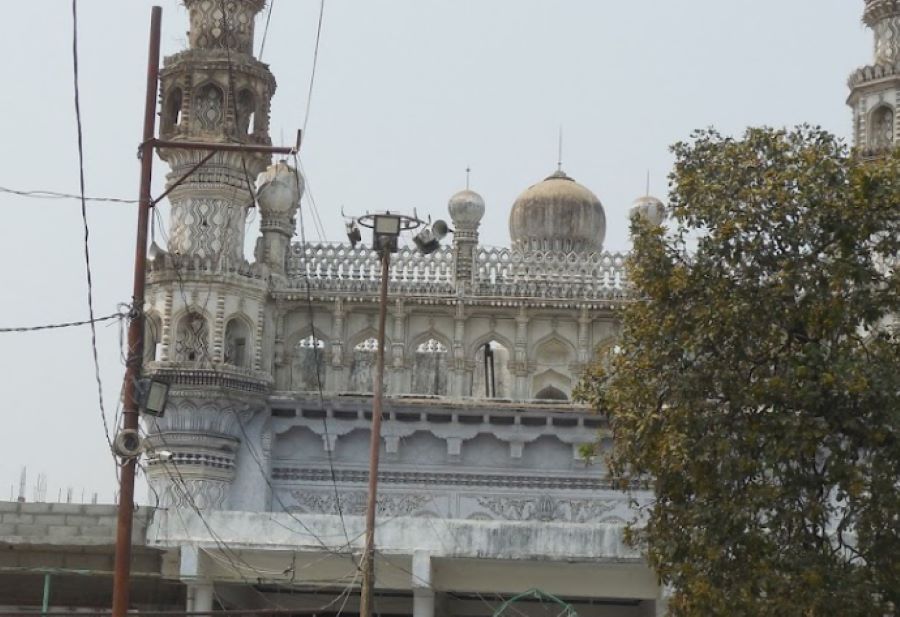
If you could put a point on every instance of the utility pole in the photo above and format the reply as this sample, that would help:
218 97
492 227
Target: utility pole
367 592
386 228
122 571
130 406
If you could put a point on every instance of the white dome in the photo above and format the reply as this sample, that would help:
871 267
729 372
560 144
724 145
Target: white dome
466 208
557 214
650 209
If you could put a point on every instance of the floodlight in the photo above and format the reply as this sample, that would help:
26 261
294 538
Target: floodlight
152 396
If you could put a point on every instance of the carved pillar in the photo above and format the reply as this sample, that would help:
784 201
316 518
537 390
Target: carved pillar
280 361
335 379
398 381
521 356
466 210
584 336
458 376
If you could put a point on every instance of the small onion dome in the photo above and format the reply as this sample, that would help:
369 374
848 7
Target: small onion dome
278 189
648 208
557 214
466 209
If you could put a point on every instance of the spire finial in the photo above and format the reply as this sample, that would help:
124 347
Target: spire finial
560 151
468 174
648 183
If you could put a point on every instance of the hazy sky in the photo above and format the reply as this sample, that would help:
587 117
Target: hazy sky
408 93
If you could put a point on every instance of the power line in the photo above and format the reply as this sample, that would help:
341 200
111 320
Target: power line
262 45
87 233
312 75
45 194
65 324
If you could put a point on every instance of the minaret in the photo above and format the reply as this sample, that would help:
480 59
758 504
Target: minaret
215 91
466 211
206 306
875 89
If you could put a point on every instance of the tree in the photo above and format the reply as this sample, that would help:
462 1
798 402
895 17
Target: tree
757 379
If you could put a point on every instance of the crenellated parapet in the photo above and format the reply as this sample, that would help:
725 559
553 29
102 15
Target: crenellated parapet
495 271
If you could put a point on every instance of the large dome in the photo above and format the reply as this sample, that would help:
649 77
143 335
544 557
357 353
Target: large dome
557 214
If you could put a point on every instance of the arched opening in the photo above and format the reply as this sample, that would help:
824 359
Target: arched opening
192 338
881 127
246 111
430 368
362 366
152 338
551 393
308 364
172 110
237 343
209 107
491 377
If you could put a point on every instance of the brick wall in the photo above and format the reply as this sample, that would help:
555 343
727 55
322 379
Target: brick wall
66 523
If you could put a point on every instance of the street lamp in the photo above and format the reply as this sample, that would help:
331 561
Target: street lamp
386 229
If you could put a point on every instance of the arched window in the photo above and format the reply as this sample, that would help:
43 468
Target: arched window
192 338
881 128
152 337
430 368
172 110
308 364
246 111
491 378
236 350
362 366
209 107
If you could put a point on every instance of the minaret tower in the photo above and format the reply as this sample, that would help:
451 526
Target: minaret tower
215 91
206 311
875 89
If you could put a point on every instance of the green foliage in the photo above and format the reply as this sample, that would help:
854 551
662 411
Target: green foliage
758 379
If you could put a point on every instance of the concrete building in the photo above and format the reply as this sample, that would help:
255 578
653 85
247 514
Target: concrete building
486 487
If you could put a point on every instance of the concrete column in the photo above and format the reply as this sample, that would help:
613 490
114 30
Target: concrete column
199 597
423 593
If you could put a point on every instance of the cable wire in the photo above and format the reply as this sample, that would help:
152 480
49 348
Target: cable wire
84 219
312 75
262 45
65 324
46 194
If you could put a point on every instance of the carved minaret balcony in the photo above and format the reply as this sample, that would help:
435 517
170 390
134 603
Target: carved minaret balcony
215 91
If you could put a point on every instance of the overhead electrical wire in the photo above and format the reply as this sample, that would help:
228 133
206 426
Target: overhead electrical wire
46 194
84 219
262 45
65 324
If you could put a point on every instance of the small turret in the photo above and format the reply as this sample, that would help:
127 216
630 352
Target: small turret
279 189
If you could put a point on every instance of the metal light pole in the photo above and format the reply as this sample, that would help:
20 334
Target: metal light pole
386 230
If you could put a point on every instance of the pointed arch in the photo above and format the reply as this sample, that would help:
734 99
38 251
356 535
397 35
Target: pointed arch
306 352
491 374
192 335
549 384
208 106
881 126
430 363
238 340
361 351
551 347
152 335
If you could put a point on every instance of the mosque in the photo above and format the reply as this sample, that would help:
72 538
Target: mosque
486 487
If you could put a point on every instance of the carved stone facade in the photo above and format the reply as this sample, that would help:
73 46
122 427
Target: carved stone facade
875 89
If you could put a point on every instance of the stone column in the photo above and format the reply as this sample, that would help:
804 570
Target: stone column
423 591
199 597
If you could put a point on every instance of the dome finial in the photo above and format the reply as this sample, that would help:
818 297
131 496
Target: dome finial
468 174
559 152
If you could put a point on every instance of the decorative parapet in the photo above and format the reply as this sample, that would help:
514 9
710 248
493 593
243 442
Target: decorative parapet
498 272
874 72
